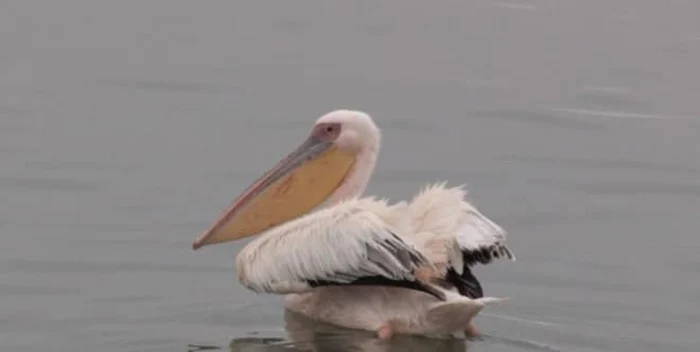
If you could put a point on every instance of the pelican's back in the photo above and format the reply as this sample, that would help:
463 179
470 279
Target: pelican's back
433 217
454 235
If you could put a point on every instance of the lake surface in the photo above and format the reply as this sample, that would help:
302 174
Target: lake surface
126 127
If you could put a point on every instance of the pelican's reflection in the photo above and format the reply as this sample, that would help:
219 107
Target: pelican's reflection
304 334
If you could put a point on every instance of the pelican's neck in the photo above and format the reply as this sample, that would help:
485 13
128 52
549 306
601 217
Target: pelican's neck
355 183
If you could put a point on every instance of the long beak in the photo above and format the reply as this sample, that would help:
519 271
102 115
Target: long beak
296 185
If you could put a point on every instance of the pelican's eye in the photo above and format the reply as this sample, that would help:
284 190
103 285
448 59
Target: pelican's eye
327 131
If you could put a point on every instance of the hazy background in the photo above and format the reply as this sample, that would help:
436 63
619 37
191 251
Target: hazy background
126 127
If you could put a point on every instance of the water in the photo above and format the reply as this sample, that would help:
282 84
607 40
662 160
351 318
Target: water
126 127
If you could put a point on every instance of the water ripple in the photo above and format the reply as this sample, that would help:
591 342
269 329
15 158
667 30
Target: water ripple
169 86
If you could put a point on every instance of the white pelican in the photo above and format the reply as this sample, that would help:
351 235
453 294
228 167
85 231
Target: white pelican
359 262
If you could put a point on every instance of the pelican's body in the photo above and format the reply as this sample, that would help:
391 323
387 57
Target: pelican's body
360 262
431 222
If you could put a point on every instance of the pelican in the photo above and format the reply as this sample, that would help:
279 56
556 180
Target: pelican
359 262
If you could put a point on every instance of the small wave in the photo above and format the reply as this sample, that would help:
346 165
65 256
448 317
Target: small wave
523 344
522 320
618 114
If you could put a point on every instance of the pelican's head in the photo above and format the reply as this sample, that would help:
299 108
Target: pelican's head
352 131
341 146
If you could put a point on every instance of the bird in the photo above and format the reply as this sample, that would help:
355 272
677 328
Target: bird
356 261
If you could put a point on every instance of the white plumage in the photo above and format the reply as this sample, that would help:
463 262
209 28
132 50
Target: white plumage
447 225
360 262
344 243
441 224
366 237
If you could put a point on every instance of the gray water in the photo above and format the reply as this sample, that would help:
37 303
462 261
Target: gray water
126 127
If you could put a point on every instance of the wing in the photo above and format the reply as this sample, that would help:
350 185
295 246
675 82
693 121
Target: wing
455 235
480 240
342 245
477 240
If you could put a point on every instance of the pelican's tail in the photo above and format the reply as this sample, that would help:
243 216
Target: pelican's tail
456 314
